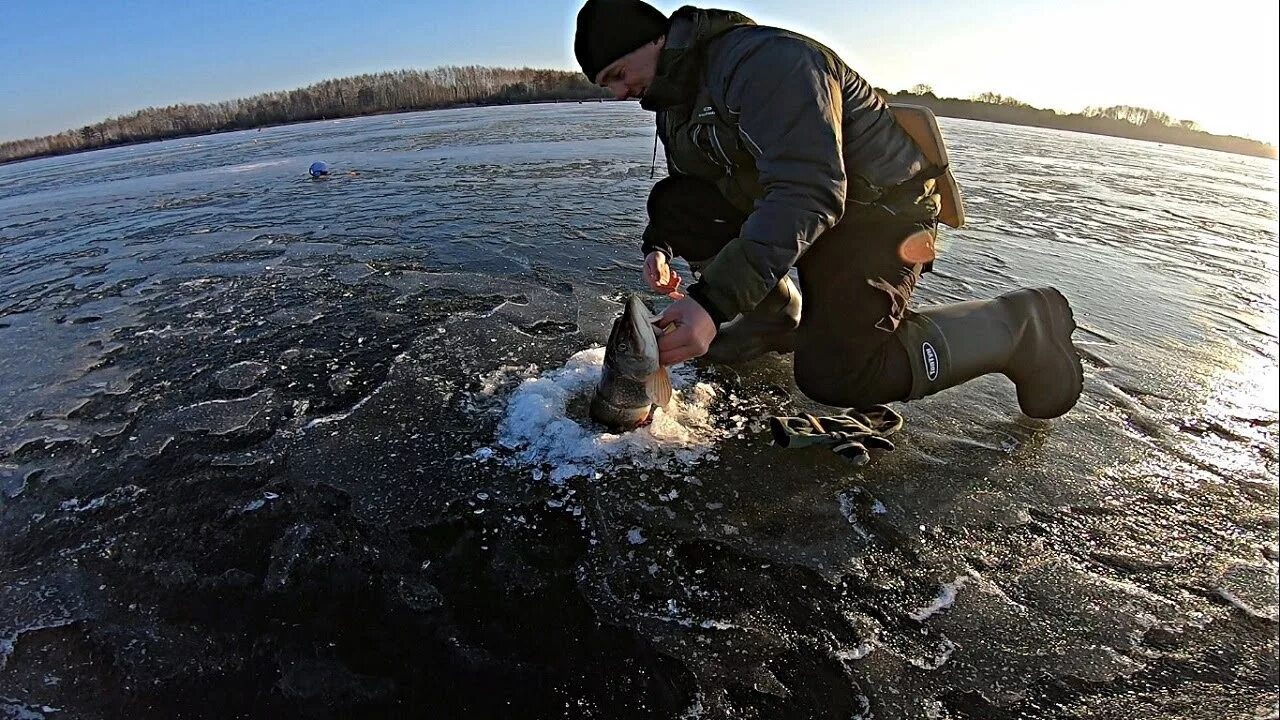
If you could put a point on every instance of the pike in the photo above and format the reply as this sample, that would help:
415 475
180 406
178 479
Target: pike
632 381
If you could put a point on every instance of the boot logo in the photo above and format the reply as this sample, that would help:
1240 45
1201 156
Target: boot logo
930 361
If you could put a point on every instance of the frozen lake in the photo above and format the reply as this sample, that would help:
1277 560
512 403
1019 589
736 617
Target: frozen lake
259 454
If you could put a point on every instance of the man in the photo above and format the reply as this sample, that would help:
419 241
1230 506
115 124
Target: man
781 156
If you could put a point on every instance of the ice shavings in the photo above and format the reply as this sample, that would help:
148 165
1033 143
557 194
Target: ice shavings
116 496
934 710
675 614
15 709
940 603
849 509
695 710
494 381
26 607
538 425
938 659
864 709
862 650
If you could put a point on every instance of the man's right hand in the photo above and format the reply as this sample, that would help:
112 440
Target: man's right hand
660 276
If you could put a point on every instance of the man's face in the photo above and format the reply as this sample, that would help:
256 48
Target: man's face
629 76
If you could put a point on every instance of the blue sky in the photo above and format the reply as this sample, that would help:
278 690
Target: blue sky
68 63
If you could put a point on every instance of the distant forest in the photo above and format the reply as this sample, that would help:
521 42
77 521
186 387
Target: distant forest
401 91
409 90
1124 121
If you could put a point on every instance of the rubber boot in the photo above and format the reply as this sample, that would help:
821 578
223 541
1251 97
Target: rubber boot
768 327
1026 335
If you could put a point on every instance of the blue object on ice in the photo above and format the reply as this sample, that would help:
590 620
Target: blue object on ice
318 169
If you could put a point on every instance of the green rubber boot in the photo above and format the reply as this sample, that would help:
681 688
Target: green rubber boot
769 327
1026 335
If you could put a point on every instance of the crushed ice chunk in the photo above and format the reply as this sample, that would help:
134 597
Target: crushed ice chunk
224 417
241 376
116 496
944 600
862 650
937 660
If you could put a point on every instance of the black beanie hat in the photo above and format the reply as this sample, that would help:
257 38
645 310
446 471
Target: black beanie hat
609 29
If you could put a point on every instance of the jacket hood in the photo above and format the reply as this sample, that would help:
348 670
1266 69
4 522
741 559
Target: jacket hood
680 62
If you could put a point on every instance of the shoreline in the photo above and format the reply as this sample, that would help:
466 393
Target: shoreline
1262 155
264 126
1250 147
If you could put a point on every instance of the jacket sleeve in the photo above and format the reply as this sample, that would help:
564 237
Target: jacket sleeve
787 102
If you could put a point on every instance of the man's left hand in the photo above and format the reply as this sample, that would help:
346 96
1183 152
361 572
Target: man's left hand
691 335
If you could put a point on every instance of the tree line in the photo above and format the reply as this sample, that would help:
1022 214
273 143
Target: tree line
408 90
1127 121
399 91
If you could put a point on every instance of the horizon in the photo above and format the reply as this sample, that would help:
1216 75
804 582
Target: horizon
1217 69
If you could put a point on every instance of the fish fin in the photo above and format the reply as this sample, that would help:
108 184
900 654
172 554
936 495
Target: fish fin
658 387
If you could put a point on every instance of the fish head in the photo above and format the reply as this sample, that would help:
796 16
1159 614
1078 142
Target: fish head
632 350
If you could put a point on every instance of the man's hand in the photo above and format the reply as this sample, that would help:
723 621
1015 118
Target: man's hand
660 276
690 332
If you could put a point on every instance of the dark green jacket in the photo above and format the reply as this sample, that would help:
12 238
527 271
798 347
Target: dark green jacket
786 131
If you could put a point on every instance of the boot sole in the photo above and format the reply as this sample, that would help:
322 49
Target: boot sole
1062 323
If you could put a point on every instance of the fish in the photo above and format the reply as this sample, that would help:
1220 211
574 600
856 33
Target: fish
632 381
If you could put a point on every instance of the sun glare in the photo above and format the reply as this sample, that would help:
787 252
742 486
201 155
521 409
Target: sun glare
1213 64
